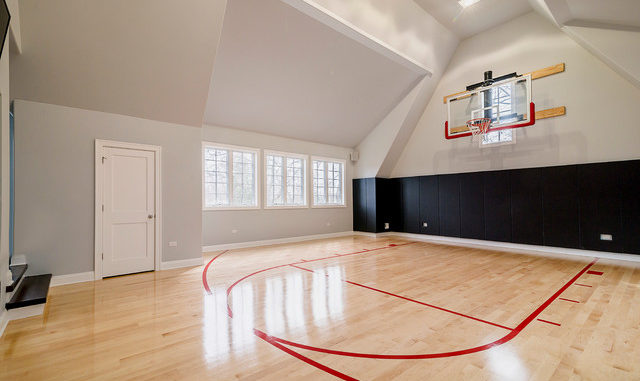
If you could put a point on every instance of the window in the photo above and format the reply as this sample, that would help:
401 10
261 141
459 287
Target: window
230 177
286 179
502 109
328 182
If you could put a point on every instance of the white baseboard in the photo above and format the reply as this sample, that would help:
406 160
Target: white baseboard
513 247
59 280
25 312
4 320
181 263
243 245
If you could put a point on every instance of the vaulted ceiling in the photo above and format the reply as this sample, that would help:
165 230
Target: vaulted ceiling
328 71
475 18
281 72
146 58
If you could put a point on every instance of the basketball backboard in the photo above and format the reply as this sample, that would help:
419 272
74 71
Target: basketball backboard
507 103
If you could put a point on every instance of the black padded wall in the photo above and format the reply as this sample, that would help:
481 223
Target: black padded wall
411 204
359 205
429 205
568 206
561 215
526 206
497 206
449 205
600 191
472 205
630 206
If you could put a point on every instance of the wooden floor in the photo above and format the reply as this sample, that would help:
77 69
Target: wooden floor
350 308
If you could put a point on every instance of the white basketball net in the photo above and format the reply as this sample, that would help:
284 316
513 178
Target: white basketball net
479 126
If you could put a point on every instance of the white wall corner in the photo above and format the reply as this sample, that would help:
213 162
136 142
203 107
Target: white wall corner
627 42
169 265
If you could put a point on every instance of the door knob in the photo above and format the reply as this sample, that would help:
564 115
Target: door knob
150 216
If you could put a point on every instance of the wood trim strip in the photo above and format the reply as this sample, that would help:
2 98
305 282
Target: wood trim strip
547 71
551 112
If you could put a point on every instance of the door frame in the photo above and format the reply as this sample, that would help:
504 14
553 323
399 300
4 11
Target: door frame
99 182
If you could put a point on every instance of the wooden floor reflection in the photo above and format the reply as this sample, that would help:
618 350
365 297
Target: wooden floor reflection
351 308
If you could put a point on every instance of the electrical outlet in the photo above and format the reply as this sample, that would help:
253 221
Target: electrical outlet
424 224
386 226
606 237
173 244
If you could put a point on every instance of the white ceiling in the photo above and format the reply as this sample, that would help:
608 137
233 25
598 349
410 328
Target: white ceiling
146 58
476 18
609 12
281 72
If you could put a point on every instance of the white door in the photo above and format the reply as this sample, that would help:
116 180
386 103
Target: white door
129 211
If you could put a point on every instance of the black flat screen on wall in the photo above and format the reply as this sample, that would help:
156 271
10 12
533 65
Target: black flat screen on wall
5 17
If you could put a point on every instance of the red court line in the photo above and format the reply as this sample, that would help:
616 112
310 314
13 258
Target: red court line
595 272
508 337
583 285
415 301
230 311
306 359
550 322
206 268
569 300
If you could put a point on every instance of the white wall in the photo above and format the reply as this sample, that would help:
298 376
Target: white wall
601 122
264 224
54 187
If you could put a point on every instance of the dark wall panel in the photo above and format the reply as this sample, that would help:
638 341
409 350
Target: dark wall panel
526 206
631 206
359 205
472 205
497 206
370 185
383 203
395 189
449 205
561 214
429 205
600 190
411 204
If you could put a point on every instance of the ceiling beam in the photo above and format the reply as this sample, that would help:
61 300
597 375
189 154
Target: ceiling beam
348 29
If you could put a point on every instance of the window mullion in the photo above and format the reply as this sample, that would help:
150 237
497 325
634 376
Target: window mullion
230 177
285 197
325 165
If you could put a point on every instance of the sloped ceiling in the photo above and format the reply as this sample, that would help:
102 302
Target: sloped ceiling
281 72
610 14
146 58
476 18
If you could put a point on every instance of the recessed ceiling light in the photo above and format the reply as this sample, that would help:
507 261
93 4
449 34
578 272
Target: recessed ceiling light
467 3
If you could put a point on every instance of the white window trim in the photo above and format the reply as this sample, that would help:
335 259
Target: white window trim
257 175
305 181
344 170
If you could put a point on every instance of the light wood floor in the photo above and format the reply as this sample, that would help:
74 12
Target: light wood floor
350 308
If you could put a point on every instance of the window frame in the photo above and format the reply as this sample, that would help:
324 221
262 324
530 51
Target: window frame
257 176
305 180
326 181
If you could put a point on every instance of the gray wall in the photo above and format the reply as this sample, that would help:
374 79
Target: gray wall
264 224
55 183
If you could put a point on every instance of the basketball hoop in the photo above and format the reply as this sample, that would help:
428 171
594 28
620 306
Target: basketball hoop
479 126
